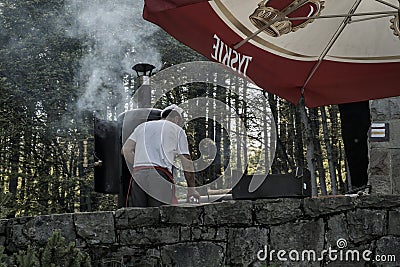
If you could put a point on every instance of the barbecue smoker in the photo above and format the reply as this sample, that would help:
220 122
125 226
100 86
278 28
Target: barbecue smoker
111 174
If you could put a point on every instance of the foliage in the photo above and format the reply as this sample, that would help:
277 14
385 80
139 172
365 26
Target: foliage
26 258
5 203
3 257
56 253
41 130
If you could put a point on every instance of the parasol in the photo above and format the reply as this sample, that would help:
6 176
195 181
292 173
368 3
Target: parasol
330 52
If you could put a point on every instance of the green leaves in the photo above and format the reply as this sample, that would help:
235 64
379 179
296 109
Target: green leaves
27 258
56 253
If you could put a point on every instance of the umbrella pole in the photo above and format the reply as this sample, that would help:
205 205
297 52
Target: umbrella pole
388 4
310 155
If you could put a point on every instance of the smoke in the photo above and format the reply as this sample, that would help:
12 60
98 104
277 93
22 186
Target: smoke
115 35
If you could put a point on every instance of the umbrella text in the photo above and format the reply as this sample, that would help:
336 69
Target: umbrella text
230 57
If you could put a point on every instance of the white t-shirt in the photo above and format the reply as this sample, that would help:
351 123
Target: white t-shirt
158 143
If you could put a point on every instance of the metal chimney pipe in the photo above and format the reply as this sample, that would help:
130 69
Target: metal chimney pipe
143 71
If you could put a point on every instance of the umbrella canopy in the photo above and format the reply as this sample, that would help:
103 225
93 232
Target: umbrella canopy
332 51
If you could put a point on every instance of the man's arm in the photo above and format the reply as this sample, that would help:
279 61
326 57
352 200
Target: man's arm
128 150
188 170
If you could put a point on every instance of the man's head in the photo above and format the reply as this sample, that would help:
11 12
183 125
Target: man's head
172 113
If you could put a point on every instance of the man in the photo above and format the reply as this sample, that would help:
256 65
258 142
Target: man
152 149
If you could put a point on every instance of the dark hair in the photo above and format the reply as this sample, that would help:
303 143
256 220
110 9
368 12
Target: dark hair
170 113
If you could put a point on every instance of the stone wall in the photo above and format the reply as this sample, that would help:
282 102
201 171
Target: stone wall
228 233
384 165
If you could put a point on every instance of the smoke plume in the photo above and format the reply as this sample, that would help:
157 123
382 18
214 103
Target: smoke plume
115 36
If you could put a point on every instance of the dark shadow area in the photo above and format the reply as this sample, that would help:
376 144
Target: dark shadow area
355 122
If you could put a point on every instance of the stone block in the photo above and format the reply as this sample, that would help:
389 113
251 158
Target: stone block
15 235
40 229
337 229
277 211
379 162
244 244
105 256
372 146
365 225
395 160
130 218
183 214
394 105
299 236
193 254
229 213
377 201
394 130
3 224
349 255
149 236
95 227
381 184
345 264
315 207
380 110
387 251
209 234
396 185
151 258
394 222
185 234
37 230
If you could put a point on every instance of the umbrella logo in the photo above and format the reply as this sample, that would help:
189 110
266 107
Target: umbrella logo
395 25
274 16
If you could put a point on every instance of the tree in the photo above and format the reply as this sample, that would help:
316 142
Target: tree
42 127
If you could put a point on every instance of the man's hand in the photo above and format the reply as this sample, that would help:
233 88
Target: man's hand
188 170
193 193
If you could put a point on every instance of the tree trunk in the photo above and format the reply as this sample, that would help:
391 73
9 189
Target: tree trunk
13 182
337 150
266 135
310 147
273 106
245 125
299 143
239 163
220 95
318 150
227 134
331 164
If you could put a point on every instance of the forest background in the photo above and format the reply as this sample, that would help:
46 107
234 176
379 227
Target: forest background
64 62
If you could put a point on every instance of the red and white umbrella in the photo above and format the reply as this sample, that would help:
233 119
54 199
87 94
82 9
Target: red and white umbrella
332 51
